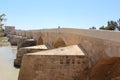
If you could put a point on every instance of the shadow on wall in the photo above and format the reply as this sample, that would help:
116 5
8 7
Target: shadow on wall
59 43
106 69
40 41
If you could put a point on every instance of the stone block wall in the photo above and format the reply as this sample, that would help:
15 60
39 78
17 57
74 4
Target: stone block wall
53 67
20 53
98 44
14 40
24 50
97 48
66 63
24 42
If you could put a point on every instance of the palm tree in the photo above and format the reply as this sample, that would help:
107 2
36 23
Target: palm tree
1 20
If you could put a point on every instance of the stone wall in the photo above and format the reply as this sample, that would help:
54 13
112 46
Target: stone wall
97 48
98 44
26 50
15 40
26 43
68 63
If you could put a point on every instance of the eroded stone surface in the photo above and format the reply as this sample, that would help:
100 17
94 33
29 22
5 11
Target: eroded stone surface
106 69
68 63
97 43
25 50
26 43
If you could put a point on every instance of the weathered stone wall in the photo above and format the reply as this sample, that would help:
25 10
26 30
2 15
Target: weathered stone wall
55 64
37 67
97 48
20 53
25 50
15 40
26 43
98 44
106 69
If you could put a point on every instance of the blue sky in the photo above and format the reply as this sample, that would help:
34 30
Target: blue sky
42 14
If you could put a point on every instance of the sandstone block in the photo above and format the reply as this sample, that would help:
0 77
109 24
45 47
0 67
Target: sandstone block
67 63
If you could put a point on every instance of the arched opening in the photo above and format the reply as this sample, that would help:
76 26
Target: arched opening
40 41
59 43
